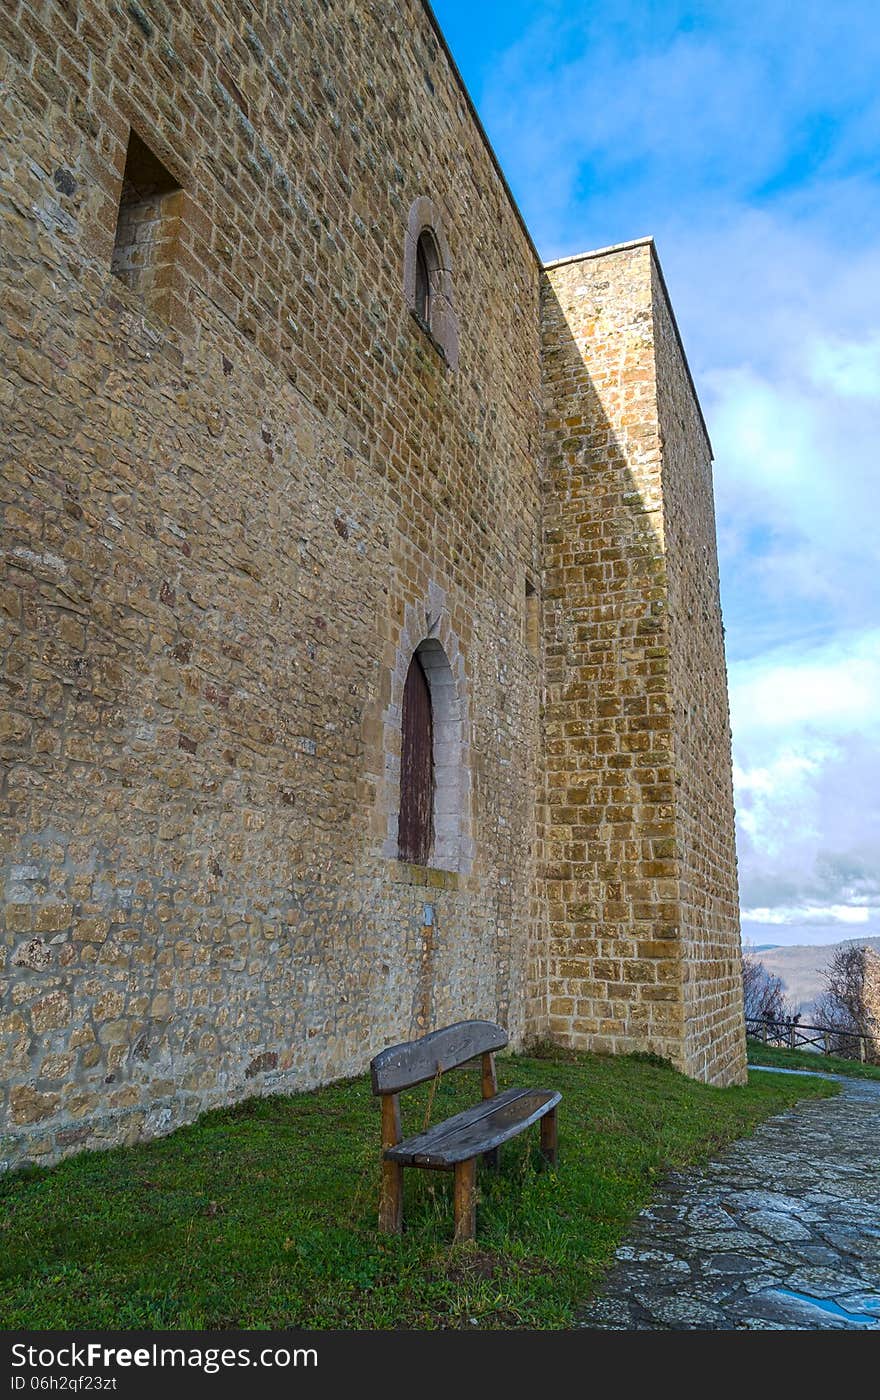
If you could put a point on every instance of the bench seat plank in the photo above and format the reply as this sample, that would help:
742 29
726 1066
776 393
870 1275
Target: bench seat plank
477 1130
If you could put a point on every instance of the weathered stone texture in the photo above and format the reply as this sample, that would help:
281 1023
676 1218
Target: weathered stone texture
714 1047
638 815
227 505
237 492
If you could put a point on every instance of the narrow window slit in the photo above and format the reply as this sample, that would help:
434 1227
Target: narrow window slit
147 225
532 629
423 284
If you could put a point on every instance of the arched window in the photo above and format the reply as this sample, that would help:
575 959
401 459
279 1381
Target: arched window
415 833
427 278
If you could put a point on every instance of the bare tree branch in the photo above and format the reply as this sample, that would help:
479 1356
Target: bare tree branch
763 993
850 1001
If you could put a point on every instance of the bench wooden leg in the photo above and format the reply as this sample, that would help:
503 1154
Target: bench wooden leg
548 1137
492 1159
391 1199
465 1200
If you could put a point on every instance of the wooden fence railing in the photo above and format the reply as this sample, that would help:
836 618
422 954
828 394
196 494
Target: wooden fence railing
828 1040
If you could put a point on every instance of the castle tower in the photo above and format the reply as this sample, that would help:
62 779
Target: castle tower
270 374
644 950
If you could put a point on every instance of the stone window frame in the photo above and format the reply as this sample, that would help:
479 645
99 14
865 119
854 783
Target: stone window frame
425 222
443 664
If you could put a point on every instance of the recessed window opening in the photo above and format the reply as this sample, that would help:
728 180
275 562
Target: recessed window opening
148 220
532 619
428 284
417 780
423 285
427 263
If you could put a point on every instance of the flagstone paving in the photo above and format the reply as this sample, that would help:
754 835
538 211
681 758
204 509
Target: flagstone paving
781 1232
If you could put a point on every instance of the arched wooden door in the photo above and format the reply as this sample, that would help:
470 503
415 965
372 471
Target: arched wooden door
415 832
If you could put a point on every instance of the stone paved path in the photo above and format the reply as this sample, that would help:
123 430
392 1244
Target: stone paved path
781 1232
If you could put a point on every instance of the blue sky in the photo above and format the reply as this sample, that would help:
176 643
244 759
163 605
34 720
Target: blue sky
746 139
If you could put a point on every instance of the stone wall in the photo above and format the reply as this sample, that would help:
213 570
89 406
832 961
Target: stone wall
714 1047
637 814
242 482
231 508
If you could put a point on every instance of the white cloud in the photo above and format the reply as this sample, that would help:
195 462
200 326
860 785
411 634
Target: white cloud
809 915
783 342
836 687
851 369
806 732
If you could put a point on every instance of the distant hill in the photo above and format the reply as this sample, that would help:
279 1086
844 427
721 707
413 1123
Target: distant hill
802 967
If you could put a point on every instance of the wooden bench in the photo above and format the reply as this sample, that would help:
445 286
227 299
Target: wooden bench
456 1143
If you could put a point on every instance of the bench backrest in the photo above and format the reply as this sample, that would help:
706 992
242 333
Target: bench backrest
402 1066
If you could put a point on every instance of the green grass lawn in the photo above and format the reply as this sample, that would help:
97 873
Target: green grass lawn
761 1054
263 1215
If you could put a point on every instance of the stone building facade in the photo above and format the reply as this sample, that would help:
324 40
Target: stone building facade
245 480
